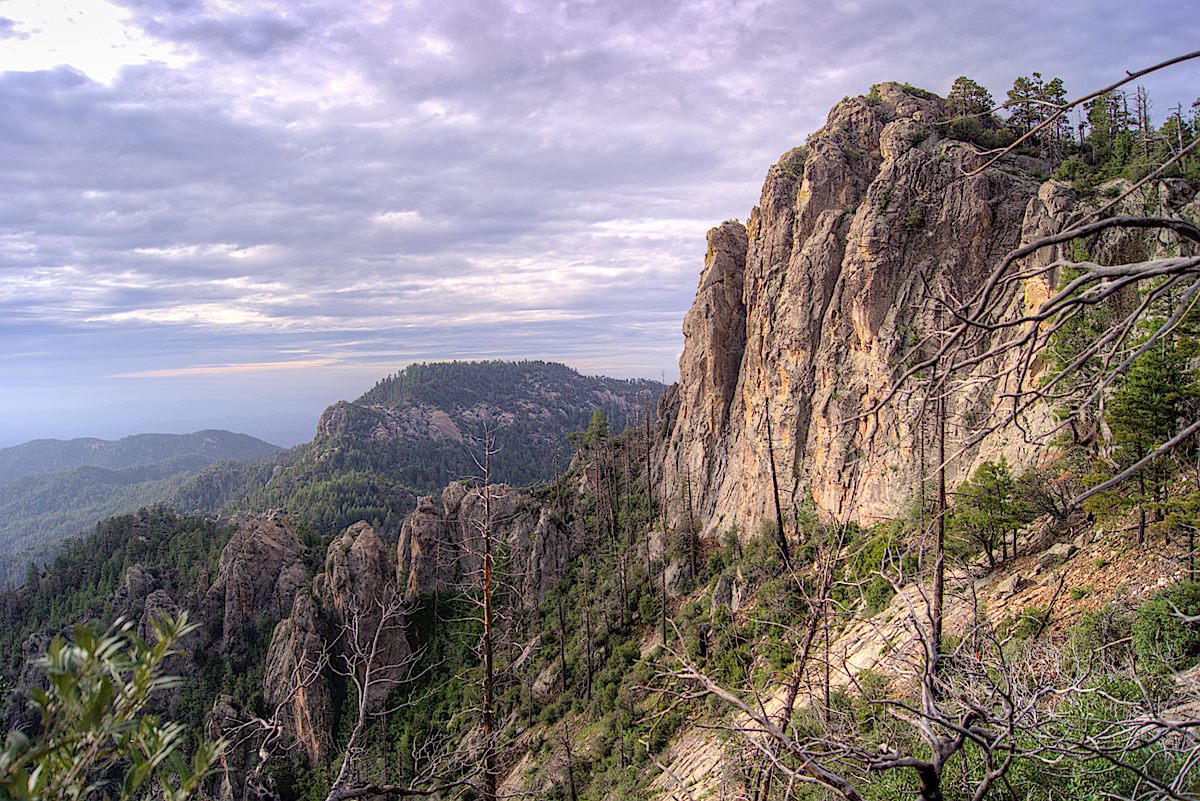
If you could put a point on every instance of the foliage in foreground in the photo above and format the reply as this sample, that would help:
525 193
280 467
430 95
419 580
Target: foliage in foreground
98 737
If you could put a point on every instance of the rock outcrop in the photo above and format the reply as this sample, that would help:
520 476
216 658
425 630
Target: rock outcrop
261 568
358 598
297 681
377 423
850 231
853 233
441 547
351 619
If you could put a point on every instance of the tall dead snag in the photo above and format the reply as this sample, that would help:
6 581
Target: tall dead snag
662 574
780 534
824 567
939 556
649 476
625 553
487 712
693 529
562 642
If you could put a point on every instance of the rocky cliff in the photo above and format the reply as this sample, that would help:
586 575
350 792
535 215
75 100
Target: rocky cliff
441 544
261 568
349 621
808 311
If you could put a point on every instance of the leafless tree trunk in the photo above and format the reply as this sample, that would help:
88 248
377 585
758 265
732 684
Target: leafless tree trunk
779 533
487 448
562 643
649 477
565 738
939 556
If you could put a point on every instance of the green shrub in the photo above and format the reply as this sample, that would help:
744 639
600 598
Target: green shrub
1024 625
98 735
916 91
988 136
1162 640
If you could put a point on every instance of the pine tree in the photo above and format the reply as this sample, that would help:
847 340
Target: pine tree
988 510
1031 101
597 430
1144 412
968 98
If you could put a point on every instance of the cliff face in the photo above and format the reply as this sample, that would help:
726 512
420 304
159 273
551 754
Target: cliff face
850 232
440 548
260 570
813 308
350 620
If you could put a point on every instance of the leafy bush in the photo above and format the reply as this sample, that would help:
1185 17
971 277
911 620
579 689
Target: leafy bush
988 135
1162 640
95 728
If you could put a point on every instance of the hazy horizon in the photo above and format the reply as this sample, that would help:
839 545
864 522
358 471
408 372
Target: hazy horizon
280 420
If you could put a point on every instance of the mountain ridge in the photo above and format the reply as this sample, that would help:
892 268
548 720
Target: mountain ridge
414 432
56 489
49 455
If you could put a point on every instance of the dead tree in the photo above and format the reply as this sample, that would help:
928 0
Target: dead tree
363 642
485 544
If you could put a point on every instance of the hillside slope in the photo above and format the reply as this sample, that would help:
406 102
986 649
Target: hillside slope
55 489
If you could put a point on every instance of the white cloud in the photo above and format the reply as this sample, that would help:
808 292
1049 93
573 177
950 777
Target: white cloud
225 369
215 250
400 219
210 315
95 38
423 179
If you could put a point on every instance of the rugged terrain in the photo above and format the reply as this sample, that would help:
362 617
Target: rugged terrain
349 609
808 311
418 430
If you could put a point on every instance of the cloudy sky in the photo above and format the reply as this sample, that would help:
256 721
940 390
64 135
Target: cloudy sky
234 212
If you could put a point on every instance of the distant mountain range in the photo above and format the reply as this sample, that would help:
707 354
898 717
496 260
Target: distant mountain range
53 489
42 456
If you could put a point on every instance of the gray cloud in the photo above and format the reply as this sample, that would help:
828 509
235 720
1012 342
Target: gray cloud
8 30
361 185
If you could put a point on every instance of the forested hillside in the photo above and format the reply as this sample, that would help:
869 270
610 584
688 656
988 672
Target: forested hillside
415 431
54 489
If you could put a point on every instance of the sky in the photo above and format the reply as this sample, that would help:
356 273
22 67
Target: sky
233 213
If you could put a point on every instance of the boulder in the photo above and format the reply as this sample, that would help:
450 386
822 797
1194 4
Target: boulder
1056 554
1010 586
